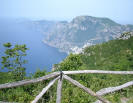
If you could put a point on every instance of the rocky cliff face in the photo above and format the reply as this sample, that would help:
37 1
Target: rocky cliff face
82 31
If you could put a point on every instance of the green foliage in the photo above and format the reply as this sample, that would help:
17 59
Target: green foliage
72 62
113 55
13 60
25 94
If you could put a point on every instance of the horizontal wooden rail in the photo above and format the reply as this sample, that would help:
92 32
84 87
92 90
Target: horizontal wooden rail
63 73
105 91
89 91
108 90
44 90
7 102
54 74
25 82
97 72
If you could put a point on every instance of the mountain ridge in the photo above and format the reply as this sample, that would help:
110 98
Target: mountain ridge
82 31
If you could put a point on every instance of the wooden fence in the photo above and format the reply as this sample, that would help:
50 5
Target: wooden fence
64 75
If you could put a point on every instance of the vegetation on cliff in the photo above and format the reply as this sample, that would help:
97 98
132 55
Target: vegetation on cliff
113 55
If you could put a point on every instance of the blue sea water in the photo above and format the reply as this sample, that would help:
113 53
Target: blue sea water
39 55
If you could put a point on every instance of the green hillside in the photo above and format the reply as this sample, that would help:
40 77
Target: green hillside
112 55
116 55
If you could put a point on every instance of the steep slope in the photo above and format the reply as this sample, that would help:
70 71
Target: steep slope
116 55
112 55
83 31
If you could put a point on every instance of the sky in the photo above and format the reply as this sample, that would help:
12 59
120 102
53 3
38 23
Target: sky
120 11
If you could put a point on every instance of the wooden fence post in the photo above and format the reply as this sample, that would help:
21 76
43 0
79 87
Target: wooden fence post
59 88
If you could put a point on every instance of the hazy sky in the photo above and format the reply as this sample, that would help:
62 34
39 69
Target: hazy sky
118 10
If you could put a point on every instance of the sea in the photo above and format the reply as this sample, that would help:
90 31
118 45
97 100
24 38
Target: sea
39 55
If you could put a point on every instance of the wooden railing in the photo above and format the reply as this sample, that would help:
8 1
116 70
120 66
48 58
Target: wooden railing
63 75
